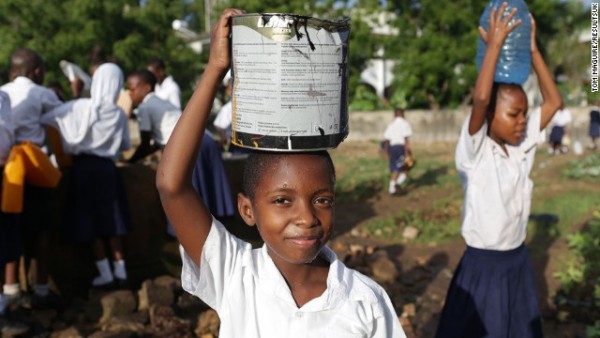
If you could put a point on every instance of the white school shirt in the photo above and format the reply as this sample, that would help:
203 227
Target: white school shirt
94 126
252 298
224 118
7 138
561 118
29 101
169 90
496 187
159 117
397 131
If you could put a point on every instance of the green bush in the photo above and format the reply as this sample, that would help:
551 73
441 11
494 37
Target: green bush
580 280
588 166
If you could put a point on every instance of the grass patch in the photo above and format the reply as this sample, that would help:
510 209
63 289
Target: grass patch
359 178
588 166
570 207
435 225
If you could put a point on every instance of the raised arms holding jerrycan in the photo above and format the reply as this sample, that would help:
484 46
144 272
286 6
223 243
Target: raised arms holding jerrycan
499 29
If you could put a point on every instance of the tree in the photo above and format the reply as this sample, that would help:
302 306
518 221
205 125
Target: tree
436 51
437 43
128 33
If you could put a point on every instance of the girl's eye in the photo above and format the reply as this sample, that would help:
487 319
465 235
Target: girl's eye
280 200
324 201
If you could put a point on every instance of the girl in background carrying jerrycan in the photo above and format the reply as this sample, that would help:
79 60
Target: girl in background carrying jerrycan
493 292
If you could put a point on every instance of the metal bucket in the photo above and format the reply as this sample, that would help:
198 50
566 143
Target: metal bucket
290 89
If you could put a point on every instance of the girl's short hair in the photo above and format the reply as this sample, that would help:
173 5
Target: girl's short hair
259 161
145 76
497 89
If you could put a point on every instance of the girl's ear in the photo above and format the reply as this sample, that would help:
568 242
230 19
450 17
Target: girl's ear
245 209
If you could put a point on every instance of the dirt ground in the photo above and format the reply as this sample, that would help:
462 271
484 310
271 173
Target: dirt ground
426 269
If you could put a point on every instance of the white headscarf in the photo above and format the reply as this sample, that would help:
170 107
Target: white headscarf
96 125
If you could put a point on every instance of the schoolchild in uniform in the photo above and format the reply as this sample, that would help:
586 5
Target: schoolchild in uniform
558 131
95 132
157 117
166 88
10 229
493 292
29 102
396 146
294 286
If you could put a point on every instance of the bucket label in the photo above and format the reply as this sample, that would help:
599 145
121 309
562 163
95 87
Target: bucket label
290 80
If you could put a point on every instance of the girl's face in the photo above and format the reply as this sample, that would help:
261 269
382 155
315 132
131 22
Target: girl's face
509 123
292 208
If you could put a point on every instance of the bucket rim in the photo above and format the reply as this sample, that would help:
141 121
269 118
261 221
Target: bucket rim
344 21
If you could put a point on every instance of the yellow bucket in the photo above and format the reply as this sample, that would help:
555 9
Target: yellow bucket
39 171
13 181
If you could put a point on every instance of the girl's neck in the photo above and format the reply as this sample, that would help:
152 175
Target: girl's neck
306 281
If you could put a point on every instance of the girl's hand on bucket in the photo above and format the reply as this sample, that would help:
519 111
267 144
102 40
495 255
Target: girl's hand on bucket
220 53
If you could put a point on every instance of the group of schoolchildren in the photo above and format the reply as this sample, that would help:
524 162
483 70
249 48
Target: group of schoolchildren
294 285
93 133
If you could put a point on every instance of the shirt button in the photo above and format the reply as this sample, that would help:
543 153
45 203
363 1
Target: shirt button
299 314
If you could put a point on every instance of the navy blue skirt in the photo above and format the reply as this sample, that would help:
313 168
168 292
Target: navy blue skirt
492 294
396 158
556 134
210 181
594 130
10 235
98 201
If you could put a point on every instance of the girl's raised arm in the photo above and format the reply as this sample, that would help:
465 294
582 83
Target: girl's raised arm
499 29
551 99
190 217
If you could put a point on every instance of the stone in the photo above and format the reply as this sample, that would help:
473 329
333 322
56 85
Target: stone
409 310
152 293
117 303
383 269
157 312
169 281
115 324
410 233
70 332
166 324
407 327
208 323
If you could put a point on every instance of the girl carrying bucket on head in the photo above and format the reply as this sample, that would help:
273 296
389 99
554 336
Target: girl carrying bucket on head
294 286
493 293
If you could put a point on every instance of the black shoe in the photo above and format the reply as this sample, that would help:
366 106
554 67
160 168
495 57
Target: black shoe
110 286
121 284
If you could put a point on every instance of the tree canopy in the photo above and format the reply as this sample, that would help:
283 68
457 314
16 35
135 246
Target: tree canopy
434 49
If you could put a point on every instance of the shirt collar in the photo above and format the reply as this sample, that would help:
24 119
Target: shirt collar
148 96
511 151
23 79
273 280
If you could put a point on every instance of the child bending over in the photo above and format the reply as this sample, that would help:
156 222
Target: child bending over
493 293
294 286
